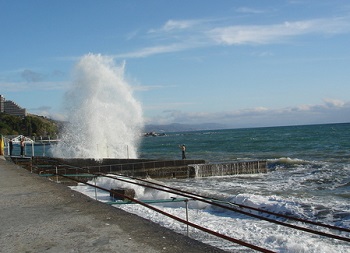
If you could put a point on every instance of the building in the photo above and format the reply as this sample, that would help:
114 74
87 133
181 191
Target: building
2 104
10 107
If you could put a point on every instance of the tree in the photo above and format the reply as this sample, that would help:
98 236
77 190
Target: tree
31 125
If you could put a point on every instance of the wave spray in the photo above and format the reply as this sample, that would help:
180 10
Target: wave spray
104 119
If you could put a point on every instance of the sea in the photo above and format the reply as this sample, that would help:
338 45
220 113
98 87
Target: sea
308 177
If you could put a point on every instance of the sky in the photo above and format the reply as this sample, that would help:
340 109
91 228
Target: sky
245 63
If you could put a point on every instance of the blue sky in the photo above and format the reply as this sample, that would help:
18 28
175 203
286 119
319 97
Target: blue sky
240 63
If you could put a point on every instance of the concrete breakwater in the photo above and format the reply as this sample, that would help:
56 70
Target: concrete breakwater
234 168
142 168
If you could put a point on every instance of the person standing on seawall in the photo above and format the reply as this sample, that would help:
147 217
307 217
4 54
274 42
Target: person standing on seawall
22 146
183 149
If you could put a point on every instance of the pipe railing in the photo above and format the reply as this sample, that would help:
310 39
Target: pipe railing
220 203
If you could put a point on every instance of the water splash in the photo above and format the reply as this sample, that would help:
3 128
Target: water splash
105 120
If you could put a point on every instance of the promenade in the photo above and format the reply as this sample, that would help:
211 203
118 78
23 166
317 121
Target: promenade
37 215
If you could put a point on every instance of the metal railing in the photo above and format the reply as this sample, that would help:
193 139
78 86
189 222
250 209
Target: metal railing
188 196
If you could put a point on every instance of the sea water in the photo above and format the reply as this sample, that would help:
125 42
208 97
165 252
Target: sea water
308 177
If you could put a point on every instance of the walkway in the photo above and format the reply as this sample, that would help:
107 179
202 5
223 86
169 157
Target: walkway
38 215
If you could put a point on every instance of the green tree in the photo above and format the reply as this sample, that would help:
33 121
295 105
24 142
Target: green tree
31 125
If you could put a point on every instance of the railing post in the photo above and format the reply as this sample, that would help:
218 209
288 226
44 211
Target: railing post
95 188
186 202
56 174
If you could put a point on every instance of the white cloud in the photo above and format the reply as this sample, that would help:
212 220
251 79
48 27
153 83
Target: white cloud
277 33
145 87
178 25
31 80
334 102
148 51
248 10
168 107
186 34
150 87
32 86
131 35
331 111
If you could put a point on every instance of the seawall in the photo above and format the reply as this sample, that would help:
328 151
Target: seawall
234 168
142 168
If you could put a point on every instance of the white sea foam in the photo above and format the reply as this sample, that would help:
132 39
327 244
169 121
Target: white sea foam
104 119
288 160
258 232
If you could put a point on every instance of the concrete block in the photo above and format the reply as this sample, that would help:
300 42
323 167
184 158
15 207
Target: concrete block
121 193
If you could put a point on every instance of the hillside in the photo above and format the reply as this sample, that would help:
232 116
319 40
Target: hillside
31 125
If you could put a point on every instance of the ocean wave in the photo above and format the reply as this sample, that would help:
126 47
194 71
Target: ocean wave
273 204
292 163
288 160
294 207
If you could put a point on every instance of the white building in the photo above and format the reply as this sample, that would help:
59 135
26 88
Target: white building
10 107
